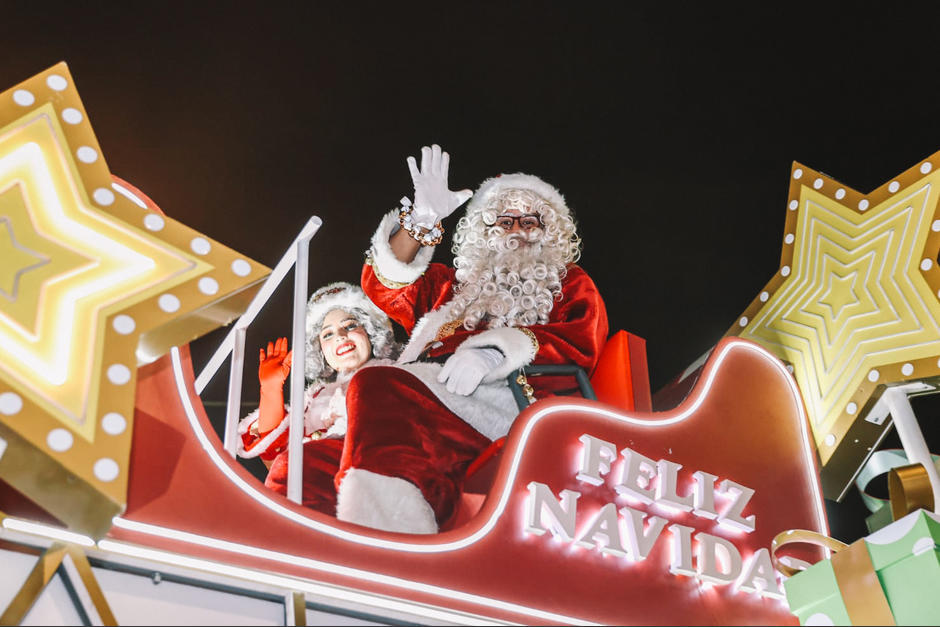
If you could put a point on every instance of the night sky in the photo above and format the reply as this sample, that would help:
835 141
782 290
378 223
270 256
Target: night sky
671 132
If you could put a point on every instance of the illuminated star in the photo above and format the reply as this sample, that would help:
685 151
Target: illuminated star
854 306
101 282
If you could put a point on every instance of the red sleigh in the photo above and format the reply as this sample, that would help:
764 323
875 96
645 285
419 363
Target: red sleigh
589 511
519 557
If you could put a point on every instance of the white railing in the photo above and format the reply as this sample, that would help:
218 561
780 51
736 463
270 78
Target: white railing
296 256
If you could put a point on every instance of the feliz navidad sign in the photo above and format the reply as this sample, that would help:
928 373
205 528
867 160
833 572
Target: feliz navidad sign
630 531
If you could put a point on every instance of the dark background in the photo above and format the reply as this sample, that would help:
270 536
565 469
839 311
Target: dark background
671 131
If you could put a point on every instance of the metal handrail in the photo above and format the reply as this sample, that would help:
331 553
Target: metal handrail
296 256
584 383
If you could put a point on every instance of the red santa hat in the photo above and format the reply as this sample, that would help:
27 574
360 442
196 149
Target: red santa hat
351 299
492 187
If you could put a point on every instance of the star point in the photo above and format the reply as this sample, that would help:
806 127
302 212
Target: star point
118 285
854 307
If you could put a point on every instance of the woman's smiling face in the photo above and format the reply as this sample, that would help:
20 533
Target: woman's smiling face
344 341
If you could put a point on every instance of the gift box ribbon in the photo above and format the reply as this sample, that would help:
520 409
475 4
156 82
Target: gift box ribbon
858 582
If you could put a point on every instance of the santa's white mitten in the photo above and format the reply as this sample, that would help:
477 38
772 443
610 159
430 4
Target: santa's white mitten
463 371
433 200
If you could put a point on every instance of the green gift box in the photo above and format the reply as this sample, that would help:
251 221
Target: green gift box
904 556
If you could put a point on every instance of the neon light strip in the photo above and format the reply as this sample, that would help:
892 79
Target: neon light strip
279 581
123 191
251 491
285 558
36 529
264 500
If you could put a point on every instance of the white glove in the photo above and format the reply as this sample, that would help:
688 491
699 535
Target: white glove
463 371
433 200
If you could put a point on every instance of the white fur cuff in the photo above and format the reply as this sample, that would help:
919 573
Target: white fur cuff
264 443
381 502
384 261
518 347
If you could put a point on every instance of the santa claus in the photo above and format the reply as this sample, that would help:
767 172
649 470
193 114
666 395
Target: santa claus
514 297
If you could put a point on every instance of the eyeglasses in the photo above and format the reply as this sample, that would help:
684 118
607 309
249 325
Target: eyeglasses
526 222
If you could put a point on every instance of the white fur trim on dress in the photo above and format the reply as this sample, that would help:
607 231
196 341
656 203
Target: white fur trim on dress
381 502
264 443
424 332
517 347
387 264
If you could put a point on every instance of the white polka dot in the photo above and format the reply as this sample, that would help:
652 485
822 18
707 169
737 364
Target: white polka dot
71 116
817 183
123 324
106 469
793 205
154 222
894 186
23 98
873 375
789 238
851 408
907 369
790 368
87 154
785 270
119 374
830 440
819 620
863 204
113 423
926 264
840 194
10 403
168 303
764 296
743 321
208 285
56 82
241 267
797 173
935 226
104 197
200 245
60 440
926 167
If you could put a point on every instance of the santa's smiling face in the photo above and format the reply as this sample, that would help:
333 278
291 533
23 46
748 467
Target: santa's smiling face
344 341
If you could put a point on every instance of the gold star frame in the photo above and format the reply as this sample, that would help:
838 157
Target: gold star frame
94 281
854 307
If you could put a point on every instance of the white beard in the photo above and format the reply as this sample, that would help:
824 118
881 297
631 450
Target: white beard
511 281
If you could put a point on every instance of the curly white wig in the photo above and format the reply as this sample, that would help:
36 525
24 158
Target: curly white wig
500 281
351 299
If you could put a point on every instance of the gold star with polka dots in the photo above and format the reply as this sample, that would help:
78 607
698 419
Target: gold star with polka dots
96 281
854 307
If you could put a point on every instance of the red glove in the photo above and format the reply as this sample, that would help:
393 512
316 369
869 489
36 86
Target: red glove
273 369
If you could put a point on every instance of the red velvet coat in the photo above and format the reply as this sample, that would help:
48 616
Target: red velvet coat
575 333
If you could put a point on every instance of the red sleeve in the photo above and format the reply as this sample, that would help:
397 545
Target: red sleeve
407 304
577 328
575 333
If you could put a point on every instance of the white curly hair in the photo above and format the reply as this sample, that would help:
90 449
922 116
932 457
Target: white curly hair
500 282
351 299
